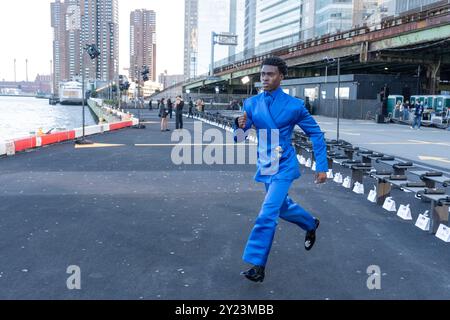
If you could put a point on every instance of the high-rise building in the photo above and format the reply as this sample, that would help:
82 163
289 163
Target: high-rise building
365 11
332 16
100 26
66 23
142 43
190 38
406 5
278 21
202 17
308 19
272 23
250 26
77 23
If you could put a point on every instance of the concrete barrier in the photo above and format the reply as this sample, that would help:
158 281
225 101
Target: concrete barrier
93 130
24 144
2 148
57 137
105 127
120 125
11 147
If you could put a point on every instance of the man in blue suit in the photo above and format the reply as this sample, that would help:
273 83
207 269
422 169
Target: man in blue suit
275 114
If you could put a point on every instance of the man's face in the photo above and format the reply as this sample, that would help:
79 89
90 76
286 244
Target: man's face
270 77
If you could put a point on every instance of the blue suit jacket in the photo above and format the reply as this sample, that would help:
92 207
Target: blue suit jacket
279 121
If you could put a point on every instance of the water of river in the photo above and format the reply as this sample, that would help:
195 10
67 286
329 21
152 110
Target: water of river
21 116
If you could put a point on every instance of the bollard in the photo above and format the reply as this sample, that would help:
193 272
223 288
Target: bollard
389 205
404 212
358 188
308 163
423 221
330 174
347 183
338 178
443 233
373 195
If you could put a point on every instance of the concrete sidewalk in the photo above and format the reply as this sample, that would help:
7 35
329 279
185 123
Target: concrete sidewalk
140 227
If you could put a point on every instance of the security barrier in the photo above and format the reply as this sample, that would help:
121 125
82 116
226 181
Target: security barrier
18 145
2 148
24 144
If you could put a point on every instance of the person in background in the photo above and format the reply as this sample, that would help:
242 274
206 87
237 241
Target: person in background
191 106
418 113
401 109
179 105
163 113
170 107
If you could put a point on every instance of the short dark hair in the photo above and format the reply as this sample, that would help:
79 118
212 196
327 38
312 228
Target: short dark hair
277 62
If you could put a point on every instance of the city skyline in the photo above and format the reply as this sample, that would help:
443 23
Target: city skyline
36 41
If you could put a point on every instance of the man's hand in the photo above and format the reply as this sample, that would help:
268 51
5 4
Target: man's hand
321 177
242 121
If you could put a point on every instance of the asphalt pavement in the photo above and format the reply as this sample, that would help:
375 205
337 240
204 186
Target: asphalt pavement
139 226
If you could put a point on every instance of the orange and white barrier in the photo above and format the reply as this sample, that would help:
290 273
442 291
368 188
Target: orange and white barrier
11 147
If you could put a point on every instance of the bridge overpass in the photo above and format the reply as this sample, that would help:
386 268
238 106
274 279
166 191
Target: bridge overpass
398 45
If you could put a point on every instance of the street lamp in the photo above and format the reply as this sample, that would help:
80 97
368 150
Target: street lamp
246 81
144 73
93 53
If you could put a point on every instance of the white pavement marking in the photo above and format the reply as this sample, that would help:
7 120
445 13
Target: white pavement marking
392 143
189 144
347 133
433 143
98 145
440 159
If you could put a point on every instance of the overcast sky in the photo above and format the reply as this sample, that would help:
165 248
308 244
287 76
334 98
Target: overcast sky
26 33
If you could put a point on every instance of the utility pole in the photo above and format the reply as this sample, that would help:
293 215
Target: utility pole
213 42
339 95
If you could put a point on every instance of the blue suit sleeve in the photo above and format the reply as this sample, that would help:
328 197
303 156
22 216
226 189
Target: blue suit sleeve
313 131
242 134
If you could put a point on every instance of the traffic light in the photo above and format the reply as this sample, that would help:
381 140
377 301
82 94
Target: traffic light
123 83
144 73
93 51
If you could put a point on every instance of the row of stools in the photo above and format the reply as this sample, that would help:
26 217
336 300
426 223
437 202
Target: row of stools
431 186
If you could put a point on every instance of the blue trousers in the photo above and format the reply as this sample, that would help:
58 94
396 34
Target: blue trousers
417 121
276 204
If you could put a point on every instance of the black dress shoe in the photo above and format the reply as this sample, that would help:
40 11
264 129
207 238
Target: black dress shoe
310 237
256 274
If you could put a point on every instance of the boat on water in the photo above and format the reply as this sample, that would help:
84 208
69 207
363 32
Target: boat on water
70 92
42 95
